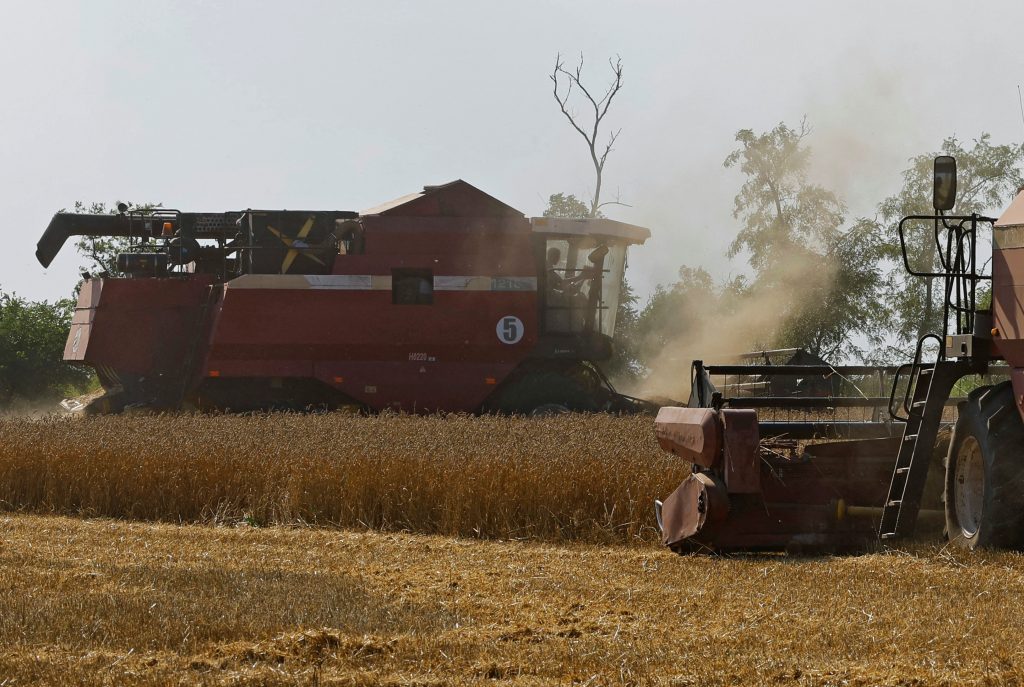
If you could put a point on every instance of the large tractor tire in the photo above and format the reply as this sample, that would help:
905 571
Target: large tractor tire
541 393
984 493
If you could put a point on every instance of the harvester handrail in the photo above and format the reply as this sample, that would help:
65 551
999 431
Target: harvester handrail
798 370
943 261
915 375
813 401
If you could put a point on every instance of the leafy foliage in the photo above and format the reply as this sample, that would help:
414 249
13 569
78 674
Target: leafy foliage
988 176
101 251
782 212
671 311
827 277
32 338
562 205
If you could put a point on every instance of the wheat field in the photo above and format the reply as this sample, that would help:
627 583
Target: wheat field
392 550
584 478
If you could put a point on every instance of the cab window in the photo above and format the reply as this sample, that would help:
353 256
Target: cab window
412 287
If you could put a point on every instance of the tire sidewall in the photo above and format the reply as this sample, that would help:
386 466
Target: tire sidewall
991 416
969 424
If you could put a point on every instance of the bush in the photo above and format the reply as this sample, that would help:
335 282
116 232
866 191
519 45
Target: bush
32 338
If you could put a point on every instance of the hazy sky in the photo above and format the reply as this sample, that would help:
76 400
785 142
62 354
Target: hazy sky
343 105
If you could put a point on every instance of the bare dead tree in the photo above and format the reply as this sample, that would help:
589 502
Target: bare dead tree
564 78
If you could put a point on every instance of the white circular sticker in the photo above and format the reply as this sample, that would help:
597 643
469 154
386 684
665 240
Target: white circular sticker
510 329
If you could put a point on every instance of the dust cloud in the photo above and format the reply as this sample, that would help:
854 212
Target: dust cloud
861 136
719 327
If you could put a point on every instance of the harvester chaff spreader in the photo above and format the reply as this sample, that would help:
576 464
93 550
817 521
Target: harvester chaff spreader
851 454
442 300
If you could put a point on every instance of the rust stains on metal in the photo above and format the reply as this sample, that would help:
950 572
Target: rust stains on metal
742 452
691 433
699 501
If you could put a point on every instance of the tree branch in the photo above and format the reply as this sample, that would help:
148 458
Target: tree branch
600 108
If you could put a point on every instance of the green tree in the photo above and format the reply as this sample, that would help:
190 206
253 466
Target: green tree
988 177
101 251
836 316
783 213
32 338
562 205
670 313
824 279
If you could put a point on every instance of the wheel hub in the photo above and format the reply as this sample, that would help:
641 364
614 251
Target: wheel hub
969 486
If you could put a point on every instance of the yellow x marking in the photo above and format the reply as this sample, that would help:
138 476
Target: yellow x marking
293 253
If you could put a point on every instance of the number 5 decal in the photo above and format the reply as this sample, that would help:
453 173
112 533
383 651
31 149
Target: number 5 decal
510 330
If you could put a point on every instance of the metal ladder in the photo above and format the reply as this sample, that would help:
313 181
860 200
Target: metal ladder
934 382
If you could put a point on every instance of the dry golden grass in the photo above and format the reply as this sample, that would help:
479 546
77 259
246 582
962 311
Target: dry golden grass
108 602
591 478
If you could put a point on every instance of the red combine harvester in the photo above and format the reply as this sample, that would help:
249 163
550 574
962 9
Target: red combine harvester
443 300
768 477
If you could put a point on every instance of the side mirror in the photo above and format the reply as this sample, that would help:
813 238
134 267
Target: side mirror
598 254
945 183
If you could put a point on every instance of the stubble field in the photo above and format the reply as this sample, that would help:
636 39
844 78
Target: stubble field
474 574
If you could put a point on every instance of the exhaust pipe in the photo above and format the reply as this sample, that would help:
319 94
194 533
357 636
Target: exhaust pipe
66 224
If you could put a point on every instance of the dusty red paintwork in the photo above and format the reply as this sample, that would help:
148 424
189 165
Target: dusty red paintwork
1008 293
405 357
750 499
446 356
143 327
693 434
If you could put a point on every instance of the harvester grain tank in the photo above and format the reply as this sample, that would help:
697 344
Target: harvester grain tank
442 300
762 480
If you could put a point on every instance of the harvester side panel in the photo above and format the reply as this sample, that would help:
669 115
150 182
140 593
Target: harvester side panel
348 331
139 326
138 333
1008 293
382 354
1008 303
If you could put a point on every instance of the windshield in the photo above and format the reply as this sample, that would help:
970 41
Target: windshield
583 280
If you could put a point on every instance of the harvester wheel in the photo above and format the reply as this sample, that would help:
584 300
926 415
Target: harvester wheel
549 410
547 392
984 491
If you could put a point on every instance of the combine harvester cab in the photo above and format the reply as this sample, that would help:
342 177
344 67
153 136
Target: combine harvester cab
442 300
769 481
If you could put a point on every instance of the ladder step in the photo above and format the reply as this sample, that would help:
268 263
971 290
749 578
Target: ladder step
926 370
918 404
893 503
888 535
910 437
902 471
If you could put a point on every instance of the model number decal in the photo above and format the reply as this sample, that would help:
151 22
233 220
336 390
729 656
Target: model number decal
422 357
510 330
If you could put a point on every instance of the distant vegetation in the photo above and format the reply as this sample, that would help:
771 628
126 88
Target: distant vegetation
32 338
814 277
